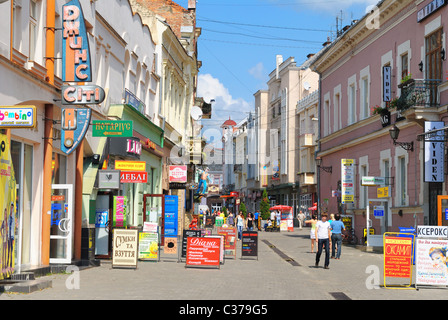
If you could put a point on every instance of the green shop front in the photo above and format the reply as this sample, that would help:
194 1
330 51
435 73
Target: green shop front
128 169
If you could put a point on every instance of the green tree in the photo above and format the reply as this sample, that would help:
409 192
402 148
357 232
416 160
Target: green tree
264 206
243 209
224 210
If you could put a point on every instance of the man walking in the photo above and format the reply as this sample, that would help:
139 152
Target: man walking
323 237
301 217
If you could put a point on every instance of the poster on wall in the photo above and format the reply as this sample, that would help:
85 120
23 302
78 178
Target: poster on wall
120 211
431 262
8 210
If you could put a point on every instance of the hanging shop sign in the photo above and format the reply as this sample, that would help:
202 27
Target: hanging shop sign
8 209
387 89
76 62
125 147
130 165
125 248
108 179
112 128
74 126
17 117
373 181
178 174
435 152
347 180
134 177
80 95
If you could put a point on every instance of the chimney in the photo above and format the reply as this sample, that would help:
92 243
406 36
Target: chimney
279 61
191 4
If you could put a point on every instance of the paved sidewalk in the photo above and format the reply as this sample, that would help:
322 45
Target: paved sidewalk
284 271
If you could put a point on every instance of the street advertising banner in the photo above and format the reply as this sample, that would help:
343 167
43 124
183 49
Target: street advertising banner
186 234
171 216
148 248
348 180
120 211
229 234
8 210
76 63
124 248
203 252
249 246
398 257
431 262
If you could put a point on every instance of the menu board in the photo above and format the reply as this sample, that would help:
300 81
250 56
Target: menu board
186 234
203 251
249 246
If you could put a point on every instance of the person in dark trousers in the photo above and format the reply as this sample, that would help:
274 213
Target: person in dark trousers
323 238
337 226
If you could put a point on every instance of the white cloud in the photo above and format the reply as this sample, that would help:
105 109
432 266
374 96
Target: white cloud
225 105
258 71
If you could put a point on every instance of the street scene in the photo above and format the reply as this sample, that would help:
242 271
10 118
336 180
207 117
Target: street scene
284 270
280 150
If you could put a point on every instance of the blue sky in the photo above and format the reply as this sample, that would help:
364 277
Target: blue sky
241 38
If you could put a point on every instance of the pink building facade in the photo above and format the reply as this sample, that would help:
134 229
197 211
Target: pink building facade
409 39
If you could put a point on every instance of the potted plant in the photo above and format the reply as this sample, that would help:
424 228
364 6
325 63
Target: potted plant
406 80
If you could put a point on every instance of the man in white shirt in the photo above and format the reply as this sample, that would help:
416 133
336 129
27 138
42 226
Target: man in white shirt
323 238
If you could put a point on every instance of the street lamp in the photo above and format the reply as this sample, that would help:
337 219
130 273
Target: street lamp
394 132
319 165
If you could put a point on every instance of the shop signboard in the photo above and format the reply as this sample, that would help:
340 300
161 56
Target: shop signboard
249 244
171 216
82 95
8 209
74 125
435 152
17 117
170 245
125 248
130 165
178 174
185 236
431 262
148 246
134 177
112 128
203 252
76 63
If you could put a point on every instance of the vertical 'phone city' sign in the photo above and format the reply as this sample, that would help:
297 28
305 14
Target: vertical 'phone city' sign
76 63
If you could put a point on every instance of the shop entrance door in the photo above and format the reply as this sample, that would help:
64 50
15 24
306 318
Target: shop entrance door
442 210
61 223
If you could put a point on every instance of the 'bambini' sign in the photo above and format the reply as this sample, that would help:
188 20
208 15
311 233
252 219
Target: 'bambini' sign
76 63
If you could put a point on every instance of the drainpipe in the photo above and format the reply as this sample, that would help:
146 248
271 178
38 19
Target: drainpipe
48 141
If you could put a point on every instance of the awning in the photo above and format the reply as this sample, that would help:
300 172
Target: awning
281 208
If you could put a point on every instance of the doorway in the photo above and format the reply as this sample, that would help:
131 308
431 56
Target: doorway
61 223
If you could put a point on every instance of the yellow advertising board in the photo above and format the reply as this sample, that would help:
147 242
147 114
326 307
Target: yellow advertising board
383 192
8 210
130 165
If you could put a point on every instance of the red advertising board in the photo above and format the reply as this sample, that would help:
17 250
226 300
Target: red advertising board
398 257
133 177
178 174
203 251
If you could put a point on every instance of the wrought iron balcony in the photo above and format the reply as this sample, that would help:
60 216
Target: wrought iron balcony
418 93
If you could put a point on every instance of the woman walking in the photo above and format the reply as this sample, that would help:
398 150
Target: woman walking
240 224
313 222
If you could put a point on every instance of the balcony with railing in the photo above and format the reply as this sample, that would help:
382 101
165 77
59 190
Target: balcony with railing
418 93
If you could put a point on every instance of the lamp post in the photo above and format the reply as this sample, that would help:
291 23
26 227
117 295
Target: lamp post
319 165
394 133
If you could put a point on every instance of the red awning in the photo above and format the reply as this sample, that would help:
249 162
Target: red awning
281 208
